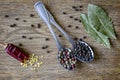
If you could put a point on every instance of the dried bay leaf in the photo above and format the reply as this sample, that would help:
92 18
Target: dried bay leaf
93 32
99 19
98 24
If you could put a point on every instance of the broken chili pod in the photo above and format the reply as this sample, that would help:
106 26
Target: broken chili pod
15 52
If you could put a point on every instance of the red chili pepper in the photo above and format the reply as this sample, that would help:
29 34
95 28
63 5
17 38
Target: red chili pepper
15 52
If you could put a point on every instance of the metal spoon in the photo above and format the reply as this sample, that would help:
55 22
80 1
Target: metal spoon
65 55
82 50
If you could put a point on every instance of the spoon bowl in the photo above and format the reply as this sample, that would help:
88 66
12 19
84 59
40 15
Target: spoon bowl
67 58
83 52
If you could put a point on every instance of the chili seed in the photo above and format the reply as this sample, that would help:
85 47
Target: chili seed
33 61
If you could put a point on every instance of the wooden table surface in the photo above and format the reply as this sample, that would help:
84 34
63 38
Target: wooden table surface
20 25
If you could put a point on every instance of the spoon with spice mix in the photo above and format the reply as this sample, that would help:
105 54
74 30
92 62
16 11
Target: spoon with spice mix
65 55
82 51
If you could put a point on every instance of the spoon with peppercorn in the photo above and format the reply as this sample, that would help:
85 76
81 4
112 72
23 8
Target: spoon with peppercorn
83 52
65 55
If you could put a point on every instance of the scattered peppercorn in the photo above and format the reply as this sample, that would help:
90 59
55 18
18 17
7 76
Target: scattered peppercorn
24 21
79 9
80 39
77 27
47 39
32 25
76 19
30 38
69 26
31 15
13 25
60 35
79 20
16 19
71 16
80 6
48 51
73 7
64 13
39 25
20 44
43 47
76 38
46 46
23 36
6 16
76 9
84 37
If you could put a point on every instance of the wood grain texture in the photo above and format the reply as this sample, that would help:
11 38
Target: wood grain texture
106 65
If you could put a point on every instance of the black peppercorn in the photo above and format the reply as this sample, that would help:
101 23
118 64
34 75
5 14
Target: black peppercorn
6 16
60 35
23 36
39 25
47 39
16 18
69 26
64 13
31 15
32 25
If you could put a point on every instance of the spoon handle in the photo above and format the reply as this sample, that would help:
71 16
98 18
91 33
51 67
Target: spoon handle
42 12
52 20
59 45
